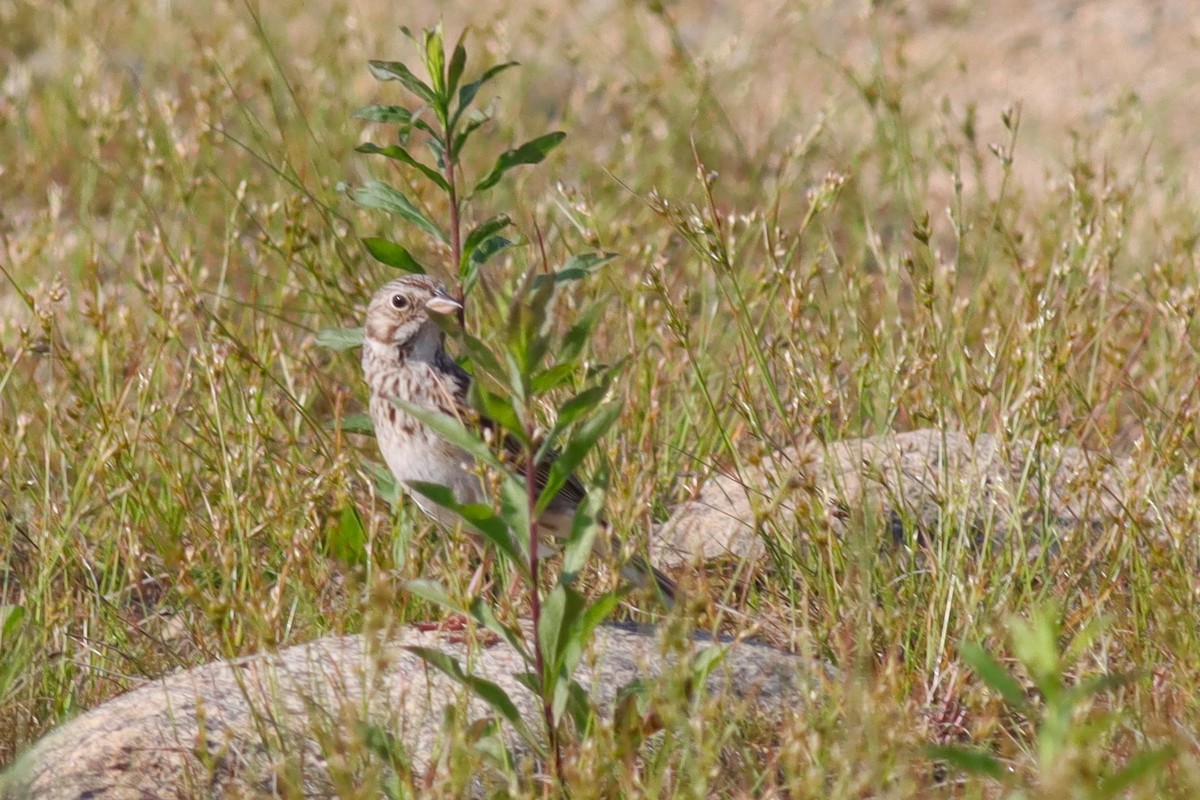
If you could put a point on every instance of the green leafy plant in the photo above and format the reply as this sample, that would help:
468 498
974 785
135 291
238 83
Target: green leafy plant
515 373
444 124
1060 711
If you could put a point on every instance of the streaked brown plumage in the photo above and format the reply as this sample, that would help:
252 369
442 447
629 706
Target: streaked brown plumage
404 358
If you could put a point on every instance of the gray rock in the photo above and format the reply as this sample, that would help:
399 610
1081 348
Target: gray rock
229 728
916 477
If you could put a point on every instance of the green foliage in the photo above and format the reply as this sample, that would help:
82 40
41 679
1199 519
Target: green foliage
1061 711
511 381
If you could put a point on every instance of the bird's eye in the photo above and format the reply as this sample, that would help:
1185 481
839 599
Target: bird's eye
399 302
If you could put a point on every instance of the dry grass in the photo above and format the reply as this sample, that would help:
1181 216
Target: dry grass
172 237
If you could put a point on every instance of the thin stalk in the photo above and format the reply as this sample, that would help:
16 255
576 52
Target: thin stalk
455 219
535 604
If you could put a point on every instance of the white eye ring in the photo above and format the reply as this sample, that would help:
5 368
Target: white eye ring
399 302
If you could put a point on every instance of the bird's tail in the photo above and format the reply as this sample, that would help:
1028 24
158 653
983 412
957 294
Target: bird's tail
643 575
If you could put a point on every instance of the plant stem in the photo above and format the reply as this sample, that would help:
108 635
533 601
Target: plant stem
535 604
455 216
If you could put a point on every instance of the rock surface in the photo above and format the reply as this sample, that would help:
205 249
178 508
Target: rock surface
914 478
229 728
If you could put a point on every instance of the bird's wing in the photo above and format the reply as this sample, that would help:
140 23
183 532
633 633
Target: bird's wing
572 492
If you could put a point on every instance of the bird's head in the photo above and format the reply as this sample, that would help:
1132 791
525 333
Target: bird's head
398 316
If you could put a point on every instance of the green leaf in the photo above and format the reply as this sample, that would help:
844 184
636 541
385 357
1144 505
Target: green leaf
435 63
579 334
1149 763
348 541
550 628
392 254
481 356
485 690
499 409
391 115
452 430
385 746
559 637
385 483
551 378
466 95
479 235
532 152
577 268
357 423
377 194
395 115
1035 644
458 62
483 613
488 248
398 153
475 120
10 621
994 675
596 613
434 592
969 759
480 517
396 71
578 547
573 452
341 338
580 404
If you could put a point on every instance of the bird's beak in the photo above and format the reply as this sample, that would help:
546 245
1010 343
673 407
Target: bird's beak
442 303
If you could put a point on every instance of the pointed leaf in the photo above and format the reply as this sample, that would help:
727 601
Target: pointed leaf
391 115
435 62
357 423
574 451
398 153
475 120
467 94
434 592
395 115
532 152
392 254
470 276
348 541
478 516
458 62
550 628
499 409
11 617
579 334
385 483
581 404
452 430
994 675
395 71
377 194
480 234
583 535
489 248
481 357
341 338
1148 763
485 690
969 759
551 378
600 610
483 614
577 268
